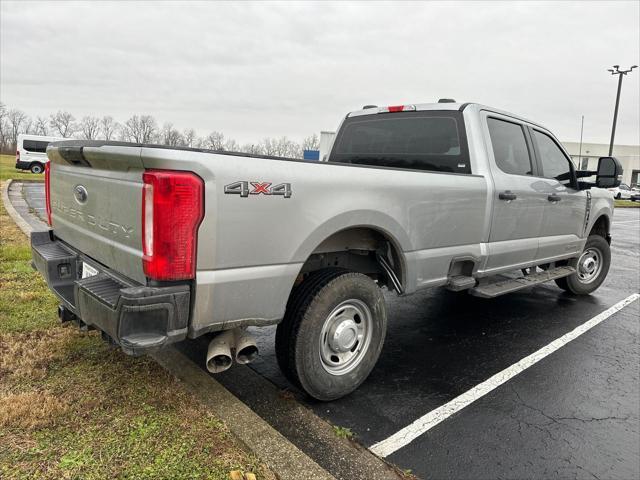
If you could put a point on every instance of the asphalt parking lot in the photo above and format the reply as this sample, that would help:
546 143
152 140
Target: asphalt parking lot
573 414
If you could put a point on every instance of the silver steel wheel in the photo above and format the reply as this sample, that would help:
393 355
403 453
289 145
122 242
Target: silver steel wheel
589 265
345 337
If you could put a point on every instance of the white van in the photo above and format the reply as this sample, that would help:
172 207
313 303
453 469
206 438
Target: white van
31 152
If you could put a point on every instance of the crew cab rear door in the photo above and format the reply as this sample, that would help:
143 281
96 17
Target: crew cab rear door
518 208
565 207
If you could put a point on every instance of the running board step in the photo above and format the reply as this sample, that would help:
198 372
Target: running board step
500 287
458 283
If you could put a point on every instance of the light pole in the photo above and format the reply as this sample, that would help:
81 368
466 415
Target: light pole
621 73
580 154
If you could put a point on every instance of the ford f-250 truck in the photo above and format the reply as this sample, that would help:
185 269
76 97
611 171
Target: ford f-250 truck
153 245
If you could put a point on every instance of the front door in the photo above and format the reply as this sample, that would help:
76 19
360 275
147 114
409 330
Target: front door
518 208
565 208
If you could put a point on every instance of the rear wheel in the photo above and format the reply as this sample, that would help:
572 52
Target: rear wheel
591 267
619 196
332 333
36 168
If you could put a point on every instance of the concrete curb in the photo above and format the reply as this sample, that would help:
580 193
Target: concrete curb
278 453
15 216
285 459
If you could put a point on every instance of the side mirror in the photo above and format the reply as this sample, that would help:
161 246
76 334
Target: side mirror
609 172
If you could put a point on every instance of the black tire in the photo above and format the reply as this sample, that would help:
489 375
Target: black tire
575 284
36 167
618 196
311 307
296 299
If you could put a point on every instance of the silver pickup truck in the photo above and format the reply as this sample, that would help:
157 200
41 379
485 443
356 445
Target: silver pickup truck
152 245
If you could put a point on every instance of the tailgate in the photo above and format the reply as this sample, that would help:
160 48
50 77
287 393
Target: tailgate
96 202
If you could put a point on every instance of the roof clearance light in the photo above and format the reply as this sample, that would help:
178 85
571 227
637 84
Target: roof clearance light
397 108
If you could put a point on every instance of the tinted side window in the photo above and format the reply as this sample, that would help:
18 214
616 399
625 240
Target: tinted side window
554 162
509 147
433 141
36 146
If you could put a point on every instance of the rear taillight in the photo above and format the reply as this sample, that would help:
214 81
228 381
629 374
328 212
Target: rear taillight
47 191
172 209
17 156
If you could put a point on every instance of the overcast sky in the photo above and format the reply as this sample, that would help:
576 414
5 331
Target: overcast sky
272 69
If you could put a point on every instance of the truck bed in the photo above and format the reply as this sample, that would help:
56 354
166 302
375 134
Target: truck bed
253 246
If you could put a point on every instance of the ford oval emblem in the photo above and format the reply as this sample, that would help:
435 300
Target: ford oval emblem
81 194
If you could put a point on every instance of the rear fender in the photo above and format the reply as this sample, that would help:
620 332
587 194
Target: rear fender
375 220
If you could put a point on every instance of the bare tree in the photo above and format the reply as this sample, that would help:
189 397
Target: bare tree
231 145
16 120
170 136
269 146
311 142
189 138
90 127
63 124
252 148
40 126
140 129
27 126
4 126
288 148
148 128
109 127
281 147
214 141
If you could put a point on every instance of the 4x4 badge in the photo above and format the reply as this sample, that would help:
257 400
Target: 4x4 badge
257 188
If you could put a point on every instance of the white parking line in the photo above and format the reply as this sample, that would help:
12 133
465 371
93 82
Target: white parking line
423 424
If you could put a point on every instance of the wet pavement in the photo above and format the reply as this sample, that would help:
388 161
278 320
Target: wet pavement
28 200
575 414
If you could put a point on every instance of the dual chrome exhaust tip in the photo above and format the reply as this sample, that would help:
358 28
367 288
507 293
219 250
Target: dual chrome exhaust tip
231 345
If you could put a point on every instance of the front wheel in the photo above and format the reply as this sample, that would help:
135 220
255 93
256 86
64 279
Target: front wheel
36 168
591 267
332 333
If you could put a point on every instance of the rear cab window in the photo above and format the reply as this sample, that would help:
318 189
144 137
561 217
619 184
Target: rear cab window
422 140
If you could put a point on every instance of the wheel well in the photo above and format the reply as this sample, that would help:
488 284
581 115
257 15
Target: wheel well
358 249
601 228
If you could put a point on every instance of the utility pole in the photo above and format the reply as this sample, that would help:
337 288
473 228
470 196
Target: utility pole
616 71
580 154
